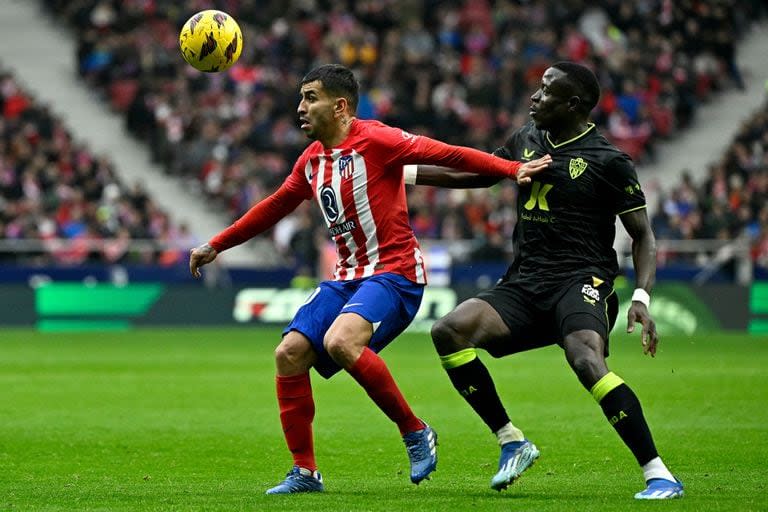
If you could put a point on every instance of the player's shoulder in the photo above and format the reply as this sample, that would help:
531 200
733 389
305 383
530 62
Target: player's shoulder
526 141
370 124
374 126
603 148
526 131
375 135
313 149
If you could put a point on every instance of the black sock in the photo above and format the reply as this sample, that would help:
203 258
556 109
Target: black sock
624 413
475 384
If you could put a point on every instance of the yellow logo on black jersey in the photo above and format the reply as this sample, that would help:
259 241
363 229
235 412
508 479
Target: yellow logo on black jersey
528 154
576 167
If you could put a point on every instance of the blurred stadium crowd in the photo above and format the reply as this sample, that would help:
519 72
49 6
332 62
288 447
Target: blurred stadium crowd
731 201
53 187
461 71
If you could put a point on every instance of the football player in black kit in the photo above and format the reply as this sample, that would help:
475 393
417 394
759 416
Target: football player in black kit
559 289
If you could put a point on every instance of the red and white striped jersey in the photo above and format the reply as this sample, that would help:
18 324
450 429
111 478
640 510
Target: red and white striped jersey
359 188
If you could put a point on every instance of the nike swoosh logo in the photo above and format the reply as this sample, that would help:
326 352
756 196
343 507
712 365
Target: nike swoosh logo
528 153
352 304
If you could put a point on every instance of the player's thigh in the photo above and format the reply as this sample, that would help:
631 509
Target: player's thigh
389 302
586 307
526 327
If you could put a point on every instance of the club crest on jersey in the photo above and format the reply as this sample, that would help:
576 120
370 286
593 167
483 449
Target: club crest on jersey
346 166
576 167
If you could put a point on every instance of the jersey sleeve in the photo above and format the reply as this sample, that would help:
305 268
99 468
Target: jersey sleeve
399 147
267 212
624 191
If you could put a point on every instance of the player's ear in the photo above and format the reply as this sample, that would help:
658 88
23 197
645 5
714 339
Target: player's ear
574 102
340 106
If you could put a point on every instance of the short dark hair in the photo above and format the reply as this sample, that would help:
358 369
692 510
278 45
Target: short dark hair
583 81
337 80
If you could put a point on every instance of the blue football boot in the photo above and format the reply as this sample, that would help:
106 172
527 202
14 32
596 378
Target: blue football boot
422 452
516 457
299 480
661 489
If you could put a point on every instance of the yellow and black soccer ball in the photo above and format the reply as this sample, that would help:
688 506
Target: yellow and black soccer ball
211 41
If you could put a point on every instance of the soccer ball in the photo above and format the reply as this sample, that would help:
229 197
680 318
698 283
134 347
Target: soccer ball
211 41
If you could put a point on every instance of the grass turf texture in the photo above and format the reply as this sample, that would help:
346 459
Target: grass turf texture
187 420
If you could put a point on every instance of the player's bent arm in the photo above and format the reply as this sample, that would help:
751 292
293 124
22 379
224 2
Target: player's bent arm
644 261
643 247
446 177
258 219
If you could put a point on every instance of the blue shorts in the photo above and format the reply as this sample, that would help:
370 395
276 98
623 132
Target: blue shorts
388 301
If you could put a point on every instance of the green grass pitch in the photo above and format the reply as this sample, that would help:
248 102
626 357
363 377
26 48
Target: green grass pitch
186 419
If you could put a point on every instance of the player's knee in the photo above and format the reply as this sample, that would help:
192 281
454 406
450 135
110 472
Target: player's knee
283 353
338 343
585 357
289 354
344 350
585 365
446 335
334 344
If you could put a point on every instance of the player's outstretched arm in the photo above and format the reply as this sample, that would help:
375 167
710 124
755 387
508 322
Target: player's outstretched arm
199 256
644 262
447 177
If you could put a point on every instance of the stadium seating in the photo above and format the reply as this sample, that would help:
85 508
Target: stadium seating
55 190
732 202
460 71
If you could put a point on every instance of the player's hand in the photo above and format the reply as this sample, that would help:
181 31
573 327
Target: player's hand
638 313
528 169
200 256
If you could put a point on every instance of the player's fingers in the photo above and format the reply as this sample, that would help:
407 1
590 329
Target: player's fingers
649 337
653 341
523 180
193 265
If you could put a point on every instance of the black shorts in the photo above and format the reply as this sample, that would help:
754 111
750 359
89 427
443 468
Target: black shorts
538 323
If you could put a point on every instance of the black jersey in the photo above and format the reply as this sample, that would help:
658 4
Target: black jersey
567 216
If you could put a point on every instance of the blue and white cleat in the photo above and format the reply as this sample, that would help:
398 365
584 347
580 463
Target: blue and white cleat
515 458
299 480
422 452
661 489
